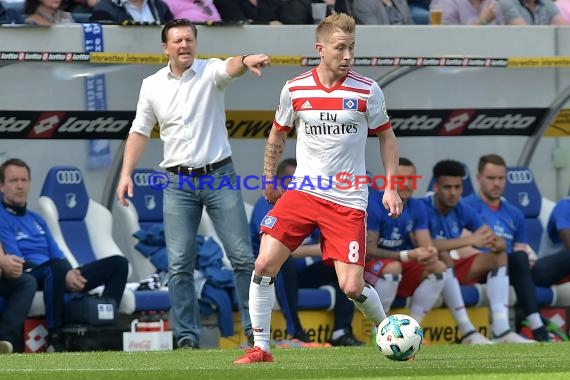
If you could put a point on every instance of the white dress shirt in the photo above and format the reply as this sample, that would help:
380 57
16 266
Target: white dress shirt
190 113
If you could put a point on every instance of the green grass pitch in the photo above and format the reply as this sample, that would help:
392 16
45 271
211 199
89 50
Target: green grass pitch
523 361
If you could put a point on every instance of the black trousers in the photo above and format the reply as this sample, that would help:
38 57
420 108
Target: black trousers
110 271
521 279
549 270
18 295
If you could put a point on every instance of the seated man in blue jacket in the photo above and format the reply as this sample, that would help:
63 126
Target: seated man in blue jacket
25 234
553 264
17 288
448 216
507 221
317 274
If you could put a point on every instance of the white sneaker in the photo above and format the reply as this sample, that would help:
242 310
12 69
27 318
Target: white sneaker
5 347
475 338
512 337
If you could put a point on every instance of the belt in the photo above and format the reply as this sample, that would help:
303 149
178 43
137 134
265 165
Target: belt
199 171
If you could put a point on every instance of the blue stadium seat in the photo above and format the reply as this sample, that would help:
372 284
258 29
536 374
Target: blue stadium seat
522 191
144 210
81 227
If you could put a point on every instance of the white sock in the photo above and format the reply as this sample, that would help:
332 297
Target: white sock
386 287
261 299
535 321
454 301
498 293
369 304
337 334
425 295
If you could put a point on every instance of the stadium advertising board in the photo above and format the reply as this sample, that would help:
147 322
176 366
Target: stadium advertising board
257 124
439 326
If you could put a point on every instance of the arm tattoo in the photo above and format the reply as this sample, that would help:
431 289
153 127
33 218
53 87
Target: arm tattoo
271 158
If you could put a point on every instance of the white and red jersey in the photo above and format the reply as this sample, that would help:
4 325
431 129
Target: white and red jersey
332 126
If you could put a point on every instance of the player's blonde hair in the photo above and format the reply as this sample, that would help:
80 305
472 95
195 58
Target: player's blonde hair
333 23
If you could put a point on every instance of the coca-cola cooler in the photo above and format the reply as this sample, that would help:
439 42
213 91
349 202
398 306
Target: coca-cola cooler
148 336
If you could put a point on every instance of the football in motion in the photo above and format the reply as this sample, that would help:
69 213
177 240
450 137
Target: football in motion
399 337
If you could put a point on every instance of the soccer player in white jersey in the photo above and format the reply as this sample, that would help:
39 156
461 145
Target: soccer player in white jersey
333 110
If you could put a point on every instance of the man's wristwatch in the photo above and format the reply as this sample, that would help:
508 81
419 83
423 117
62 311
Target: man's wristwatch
243 59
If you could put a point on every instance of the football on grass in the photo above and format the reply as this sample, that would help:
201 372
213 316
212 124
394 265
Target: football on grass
399 337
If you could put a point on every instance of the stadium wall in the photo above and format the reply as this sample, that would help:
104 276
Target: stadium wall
60 86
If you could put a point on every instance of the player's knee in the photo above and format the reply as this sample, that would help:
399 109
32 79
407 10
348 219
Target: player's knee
353 290
501 259
262 269
394 267
265 266
436 267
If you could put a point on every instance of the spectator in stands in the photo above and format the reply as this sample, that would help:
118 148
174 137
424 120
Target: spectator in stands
507 222
553 264
17 288
382 12
46 13
25 234
79 7
244 11
469 12
186 99
197 11
273 12
10 16
335 6
531 12
448 216
331 7
131 11
315 275
285 12
420 11
564 7
401 249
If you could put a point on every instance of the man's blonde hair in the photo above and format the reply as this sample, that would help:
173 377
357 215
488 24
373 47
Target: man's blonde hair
333 23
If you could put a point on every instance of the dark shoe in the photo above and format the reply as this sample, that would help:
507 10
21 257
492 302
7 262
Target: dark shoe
541 334
554 329
346 340
187 344
302 336
56 343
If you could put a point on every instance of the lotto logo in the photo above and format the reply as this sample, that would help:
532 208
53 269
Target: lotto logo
46 124
519 177
35 334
